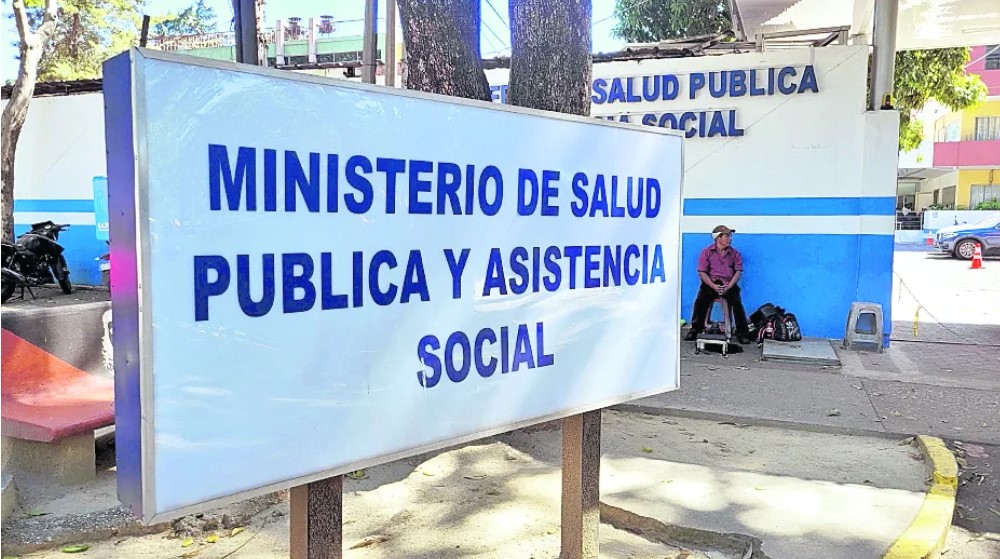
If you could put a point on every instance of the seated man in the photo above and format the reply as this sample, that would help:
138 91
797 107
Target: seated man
719 267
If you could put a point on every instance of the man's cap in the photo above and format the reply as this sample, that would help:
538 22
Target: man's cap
720 229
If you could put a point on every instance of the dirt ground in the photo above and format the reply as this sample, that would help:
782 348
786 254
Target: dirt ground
500 498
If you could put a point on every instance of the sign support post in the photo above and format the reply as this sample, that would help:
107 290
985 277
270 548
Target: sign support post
581 485
316 523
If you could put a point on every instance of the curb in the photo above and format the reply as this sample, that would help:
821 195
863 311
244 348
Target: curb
926 535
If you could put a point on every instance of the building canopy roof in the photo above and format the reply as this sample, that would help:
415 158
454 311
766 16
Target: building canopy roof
922 24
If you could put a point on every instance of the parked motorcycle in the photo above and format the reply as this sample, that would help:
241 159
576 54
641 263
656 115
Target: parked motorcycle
35 258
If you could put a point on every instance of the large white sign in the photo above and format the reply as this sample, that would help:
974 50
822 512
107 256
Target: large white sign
312 276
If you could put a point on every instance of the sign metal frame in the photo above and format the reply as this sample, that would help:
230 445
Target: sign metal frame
127 152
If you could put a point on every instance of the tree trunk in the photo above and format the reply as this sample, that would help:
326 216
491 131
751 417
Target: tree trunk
550 64
16 110
550 70
442 47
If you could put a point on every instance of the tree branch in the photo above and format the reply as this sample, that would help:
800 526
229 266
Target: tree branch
48 25
23 27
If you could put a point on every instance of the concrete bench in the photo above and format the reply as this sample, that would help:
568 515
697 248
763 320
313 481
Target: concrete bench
50 412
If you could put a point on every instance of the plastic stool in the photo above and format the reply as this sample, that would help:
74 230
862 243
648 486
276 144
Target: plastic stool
725 325
864 327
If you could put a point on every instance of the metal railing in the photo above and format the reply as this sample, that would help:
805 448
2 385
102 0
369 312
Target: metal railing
295 29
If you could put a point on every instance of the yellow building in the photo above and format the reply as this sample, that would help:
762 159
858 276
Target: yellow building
966 143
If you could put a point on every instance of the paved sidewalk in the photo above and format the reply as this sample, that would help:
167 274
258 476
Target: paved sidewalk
943 364
826 399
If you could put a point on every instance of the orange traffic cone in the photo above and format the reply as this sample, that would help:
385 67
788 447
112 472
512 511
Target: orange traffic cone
977 258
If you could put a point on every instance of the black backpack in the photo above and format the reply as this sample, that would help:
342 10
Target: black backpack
787 329
762 316
772 322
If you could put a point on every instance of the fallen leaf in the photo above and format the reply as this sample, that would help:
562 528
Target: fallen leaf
191 554
906 441
187 542
551 531
428 474
646 449
976 451
359 474
75 548
370 540
236 531
36 513
477 476
833 413
962 462
493 492
212 539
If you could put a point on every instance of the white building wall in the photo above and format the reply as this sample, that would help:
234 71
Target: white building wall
809 185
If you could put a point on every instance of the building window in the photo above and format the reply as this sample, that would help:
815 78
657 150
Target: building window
987 128
952 132
992 57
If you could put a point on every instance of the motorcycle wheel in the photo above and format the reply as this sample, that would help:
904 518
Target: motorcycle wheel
8 289
62 275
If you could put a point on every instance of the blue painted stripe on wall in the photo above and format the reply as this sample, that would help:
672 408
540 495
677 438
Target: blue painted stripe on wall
884 205
816 276
54 205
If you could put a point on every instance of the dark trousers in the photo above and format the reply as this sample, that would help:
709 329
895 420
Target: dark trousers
703 302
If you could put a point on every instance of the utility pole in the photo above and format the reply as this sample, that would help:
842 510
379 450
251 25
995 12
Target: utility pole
884 53
370 45
247 18
390 43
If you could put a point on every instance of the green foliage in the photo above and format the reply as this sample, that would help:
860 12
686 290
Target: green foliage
939 74
645 21
87 33
989 205
196 19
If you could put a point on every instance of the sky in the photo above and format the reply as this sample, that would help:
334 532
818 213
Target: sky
495 29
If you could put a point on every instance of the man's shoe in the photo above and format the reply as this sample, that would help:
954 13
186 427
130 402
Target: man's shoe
691 336
744 339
